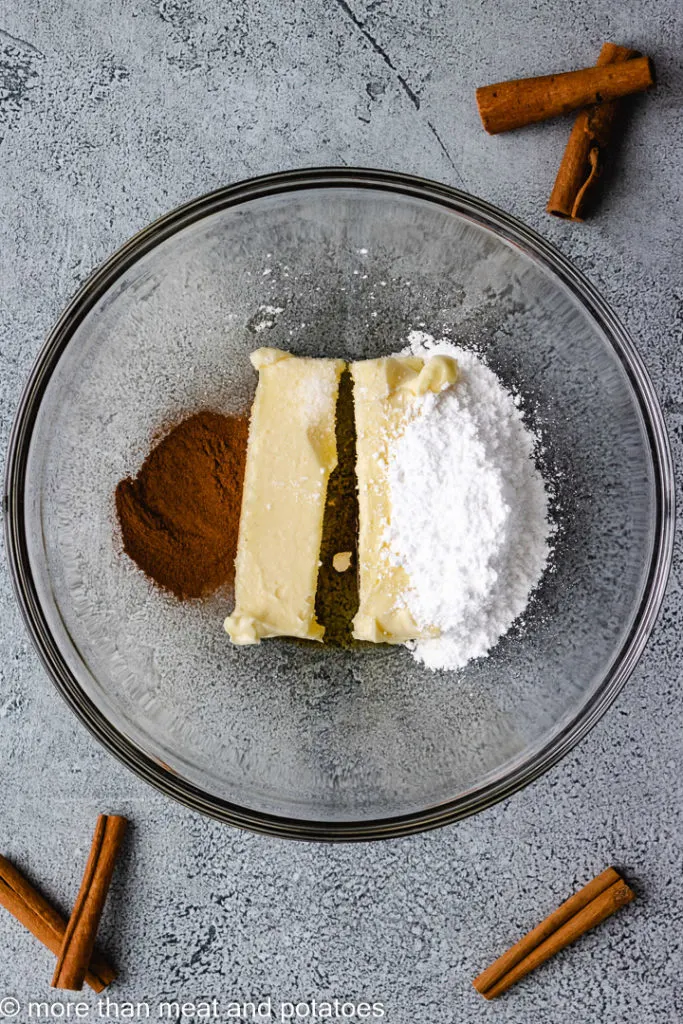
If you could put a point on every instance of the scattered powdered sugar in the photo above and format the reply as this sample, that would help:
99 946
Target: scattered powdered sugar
265 318
470 509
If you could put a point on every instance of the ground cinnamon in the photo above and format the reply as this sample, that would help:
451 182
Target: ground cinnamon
179 516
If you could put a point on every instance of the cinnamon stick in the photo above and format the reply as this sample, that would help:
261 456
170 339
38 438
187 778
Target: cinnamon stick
31 909
583 911
584 157
81 930
523 101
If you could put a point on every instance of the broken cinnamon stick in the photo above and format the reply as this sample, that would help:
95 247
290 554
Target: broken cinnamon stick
81 930
513 104
584 157
31 909
587 908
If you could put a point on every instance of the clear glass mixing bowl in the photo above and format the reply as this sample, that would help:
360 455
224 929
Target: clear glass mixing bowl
299 739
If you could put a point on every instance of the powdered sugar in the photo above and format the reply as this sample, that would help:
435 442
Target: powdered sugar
469 518
265 317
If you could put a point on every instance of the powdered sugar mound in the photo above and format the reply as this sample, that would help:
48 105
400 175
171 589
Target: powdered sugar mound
469 511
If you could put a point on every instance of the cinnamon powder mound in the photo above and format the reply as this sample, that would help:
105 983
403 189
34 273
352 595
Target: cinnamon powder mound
179 516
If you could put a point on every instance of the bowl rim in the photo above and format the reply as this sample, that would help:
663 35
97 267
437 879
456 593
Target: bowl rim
512 231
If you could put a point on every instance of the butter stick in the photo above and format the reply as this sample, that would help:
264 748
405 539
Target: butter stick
291 452
387 394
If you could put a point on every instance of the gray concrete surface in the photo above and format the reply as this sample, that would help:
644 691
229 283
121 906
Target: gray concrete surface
110 114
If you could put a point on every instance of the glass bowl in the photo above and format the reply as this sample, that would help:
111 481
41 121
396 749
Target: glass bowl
299 739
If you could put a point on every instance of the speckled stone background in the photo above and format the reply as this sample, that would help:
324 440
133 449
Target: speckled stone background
110 114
